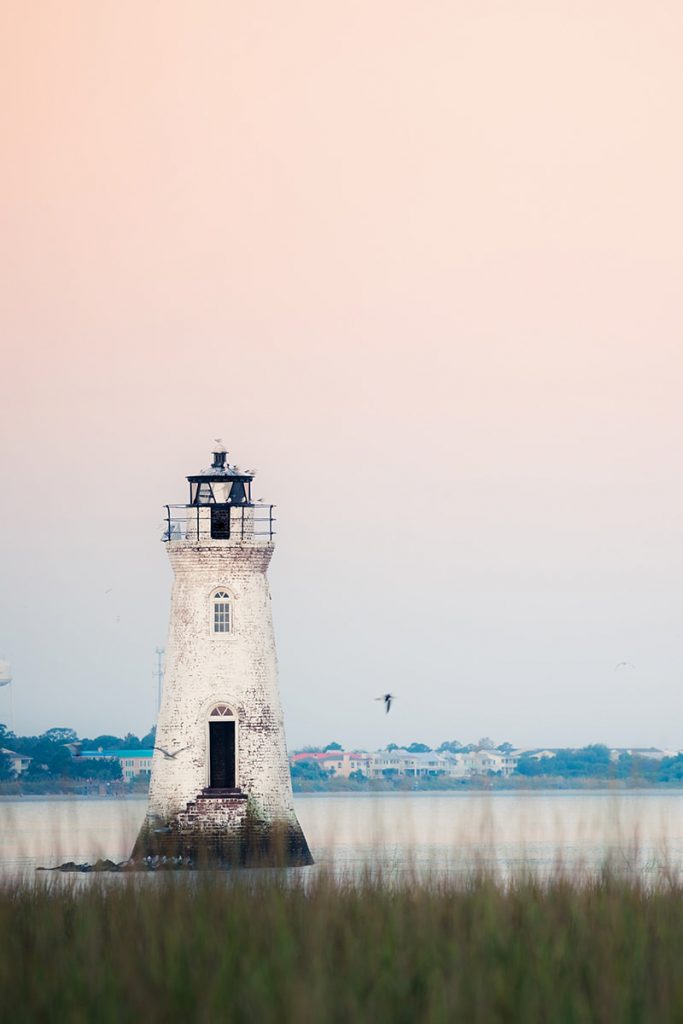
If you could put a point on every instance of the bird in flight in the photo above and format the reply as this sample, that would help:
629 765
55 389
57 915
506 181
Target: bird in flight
387 698
167 754
623 664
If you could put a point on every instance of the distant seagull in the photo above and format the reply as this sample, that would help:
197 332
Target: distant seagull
623 664
387 698
167 755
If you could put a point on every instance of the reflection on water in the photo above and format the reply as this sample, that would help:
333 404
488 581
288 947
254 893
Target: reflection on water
453 831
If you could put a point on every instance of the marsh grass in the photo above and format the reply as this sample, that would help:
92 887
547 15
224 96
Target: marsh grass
474 933
314 947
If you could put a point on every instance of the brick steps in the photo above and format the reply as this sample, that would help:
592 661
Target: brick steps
214 810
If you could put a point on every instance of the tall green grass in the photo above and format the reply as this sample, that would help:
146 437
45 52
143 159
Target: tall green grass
316 948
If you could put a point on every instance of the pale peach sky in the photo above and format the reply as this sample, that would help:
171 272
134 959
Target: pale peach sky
420 263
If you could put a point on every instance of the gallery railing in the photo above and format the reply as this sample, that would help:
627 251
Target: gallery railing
219 522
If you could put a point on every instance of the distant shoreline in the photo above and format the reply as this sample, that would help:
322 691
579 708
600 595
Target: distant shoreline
483 784
403 787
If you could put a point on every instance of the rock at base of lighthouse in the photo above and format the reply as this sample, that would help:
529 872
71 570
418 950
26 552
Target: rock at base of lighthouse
217 830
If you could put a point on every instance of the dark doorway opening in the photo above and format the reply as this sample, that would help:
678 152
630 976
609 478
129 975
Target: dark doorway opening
220 522
222 755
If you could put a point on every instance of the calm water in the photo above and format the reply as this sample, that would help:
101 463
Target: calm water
642 829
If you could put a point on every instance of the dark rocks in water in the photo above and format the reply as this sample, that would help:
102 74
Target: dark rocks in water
145 864
105 865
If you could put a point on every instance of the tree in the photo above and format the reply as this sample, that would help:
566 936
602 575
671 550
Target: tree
332 746
6 772
309 771
48 758
505 748
634 767
60 735
486 743
392 746
149 738
670 769
592 762
131 742
450 746
418 748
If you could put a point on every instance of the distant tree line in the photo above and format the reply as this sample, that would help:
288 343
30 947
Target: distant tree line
594 762
52 758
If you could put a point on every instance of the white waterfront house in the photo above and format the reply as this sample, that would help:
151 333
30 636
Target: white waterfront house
481 762
386 763
341 763
19 763
220 786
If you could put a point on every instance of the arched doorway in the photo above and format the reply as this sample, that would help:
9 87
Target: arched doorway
222 748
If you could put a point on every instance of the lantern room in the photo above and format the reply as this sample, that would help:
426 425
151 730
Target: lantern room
221 484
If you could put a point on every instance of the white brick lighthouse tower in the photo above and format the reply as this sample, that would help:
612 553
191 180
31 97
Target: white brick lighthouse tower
220 789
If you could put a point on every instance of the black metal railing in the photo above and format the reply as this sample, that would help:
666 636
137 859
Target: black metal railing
219 522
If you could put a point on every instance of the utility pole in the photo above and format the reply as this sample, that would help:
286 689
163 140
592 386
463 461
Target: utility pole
6 680
159 673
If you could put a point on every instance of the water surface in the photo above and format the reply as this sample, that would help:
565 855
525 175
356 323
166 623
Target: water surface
640 829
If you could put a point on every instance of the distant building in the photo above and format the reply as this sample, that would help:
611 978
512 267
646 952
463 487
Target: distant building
400 763
134 763
484 762
339 762
19 763
355 762
386 763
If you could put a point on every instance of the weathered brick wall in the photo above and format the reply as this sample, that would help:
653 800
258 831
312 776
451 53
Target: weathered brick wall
203 669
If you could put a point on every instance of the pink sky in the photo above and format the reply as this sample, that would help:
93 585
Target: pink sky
420 263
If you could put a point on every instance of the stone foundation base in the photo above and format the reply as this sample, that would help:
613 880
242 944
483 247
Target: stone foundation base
218 830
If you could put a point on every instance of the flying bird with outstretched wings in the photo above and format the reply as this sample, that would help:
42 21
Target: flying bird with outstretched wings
387 698
167 754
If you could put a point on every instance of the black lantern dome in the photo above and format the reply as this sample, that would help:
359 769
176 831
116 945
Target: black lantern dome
221 483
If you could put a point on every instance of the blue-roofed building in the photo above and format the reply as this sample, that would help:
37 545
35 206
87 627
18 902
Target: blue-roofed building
134 763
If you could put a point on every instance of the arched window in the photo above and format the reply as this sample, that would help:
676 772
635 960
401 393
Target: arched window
221 711
221 613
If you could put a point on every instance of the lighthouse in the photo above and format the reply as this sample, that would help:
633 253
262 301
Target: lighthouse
220 789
